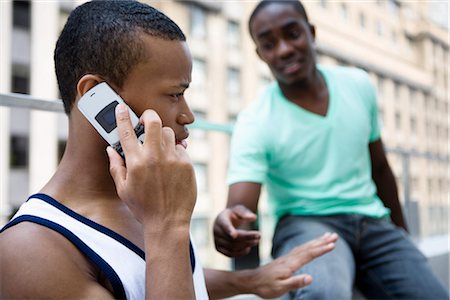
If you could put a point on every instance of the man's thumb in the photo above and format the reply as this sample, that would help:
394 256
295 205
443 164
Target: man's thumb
244 213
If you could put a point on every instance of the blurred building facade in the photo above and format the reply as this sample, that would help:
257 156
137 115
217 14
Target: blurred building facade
404 46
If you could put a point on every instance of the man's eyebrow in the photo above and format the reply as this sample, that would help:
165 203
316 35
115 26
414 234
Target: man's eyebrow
183 85
265 33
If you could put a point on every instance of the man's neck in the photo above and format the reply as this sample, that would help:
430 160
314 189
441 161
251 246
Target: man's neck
83 172
311 89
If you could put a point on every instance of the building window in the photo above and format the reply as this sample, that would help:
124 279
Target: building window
198 88
20 84
197 133
200 235
63 16
412 98
379 28
233 88
264 81
413 125
397 91
381 116
362 20
199 76
201 176
61 148
414 184
428 128
394 36
344 11
380 84
398 120
411 43
233 82
393 7
22 14
430 187
232 119
198 22
233 34
19 151
323 3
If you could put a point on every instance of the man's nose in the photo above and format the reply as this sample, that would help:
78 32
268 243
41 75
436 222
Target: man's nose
185 118
284 49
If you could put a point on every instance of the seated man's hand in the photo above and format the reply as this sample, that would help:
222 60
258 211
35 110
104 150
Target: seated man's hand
231 240
277 277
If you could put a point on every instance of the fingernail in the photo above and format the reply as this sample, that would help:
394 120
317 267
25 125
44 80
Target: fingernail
327 234
307 280
121 108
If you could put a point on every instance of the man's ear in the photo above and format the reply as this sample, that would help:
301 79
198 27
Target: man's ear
87 82
312 28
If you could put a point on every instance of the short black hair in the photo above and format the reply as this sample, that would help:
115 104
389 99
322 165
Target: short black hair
297 5
103 38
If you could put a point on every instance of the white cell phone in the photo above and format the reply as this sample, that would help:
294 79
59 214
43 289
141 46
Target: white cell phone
98 105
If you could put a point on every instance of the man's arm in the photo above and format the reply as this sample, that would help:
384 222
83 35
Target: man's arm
271 280
158 185
232 234
385 181
38 263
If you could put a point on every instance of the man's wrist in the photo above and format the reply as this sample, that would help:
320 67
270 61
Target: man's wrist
246 281
168 229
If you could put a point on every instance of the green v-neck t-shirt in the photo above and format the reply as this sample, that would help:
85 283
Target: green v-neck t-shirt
311 164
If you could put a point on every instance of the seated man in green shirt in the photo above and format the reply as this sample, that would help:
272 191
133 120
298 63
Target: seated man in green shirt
313 140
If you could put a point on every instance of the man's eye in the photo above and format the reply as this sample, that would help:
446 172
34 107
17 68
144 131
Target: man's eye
293 34
267 45
177 96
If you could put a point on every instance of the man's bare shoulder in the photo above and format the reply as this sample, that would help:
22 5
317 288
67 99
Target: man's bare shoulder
38 262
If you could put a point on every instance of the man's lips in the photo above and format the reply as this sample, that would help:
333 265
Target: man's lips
291 68
183 143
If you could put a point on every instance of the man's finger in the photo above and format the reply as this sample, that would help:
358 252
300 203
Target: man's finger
236 245
127 137
247 235
308 255
224 226
302 255
243 213
298 281
233 253
325 239
168 137
322 250
116 166
152 127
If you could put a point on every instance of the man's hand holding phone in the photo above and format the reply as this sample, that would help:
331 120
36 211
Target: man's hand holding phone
158 181
158 185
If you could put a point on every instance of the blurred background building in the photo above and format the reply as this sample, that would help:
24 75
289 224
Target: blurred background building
403 45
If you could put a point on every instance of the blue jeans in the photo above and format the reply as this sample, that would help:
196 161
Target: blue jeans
372 253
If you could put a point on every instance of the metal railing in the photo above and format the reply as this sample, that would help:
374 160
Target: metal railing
29 102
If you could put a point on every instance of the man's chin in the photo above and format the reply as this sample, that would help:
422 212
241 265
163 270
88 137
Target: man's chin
292 80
